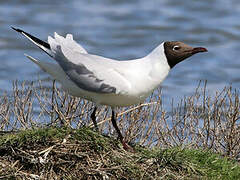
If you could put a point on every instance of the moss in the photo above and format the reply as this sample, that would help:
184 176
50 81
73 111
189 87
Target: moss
86 154
33 136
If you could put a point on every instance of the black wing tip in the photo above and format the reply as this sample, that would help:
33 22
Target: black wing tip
16 29
33 38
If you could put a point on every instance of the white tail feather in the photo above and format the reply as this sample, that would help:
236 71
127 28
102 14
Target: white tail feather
67 43
52 69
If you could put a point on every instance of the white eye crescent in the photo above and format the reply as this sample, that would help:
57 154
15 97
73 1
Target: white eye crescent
175 48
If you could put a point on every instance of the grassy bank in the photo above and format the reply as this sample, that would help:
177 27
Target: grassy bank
83 154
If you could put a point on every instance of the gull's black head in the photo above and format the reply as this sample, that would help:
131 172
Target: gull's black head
177 51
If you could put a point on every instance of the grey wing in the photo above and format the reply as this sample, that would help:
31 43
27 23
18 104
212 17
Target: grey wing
88 72
92 75
67 53
86 79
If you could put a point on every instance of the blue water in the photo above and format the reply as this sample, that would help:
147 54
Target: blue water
126 30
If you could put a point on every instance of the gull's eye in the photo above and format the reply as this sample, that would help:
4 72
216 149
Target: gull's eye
175 48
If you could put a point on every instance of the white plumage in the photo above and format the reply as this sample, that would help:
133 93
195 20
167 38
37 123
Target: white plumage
129 81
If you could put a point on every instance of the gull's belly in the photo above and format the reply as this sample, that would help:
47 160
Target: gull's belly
122 99
119 99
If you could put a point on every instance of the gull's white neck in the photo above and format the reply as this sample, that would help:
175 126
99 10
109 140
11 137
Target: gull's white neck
147 73
160 67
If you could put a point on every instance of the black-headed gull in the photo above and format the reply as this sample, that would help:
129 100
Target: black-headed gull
108 81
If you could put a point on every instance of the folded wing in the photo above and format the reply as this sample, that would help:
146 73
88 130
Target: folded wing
89 72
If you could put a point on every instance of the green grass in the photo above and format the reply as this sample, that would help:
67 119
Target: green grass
33 136
85 154
213 165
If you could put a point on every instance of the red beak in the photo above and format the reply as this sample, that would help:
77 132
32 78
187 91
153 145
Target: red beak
198 50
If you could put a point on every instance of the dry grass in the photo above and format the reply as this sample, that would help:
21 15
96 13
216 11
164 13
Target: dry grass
64 153
198 121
